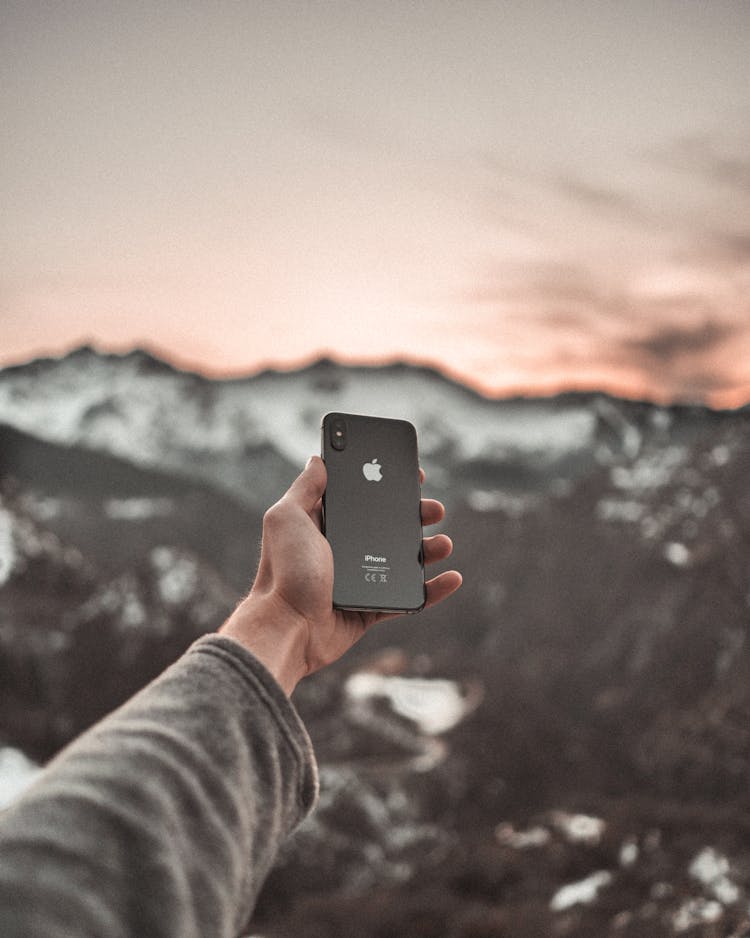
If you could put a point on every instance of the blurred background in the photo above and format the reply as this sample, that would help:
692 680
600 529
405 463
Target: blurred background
524 227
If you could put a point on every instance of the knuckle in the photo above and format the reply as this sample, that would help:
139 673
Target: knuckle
273 515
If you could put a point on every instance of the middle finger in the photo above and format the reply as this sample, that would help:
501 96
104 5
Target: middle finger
437 547
432 511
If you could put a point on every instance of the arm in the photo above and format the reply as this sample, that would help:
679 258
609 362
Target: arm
164 819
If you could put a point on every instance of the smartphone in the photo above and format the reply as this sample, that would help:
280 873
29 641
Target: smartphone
371 513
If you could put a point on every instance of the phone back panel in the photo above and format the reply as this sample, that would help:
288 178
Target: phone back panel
372 513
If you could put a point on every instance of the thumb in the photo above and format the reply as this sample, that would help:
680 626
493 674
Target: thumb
307 489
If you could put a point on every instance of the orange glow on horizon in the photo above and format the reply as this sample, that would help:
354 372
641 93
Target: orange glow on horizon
633 389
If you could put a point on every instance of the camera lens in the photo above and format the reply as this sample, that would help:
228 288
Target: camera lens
338 434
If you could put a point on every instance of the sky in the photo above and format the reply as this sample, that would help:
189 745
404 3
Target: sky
528 196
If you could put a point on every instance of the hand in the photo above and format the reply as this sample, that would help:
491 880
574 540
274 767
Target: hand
288 620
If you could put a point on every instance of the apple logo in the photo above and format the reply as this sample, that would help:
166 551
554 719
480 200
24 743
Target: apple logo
371 471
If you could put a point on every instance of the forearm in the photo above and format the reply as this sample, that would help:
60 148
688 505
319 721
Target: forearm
274 633
164 819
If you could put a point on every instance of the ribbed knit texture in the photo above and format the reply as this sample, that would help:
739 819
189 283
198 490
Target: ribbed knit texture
162 820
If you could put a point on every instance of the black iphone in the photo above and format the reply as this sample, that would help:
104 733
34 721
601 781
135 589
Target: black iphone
371 513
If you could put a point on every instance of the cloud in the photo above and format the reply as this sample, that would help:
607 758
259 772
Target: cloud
568 326
553 283
715 160
688 361
636 282
669 363
736 245
671 341
716 249
603 200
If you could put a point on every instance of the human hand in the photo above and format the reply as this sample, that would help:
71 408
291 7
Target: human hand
288 620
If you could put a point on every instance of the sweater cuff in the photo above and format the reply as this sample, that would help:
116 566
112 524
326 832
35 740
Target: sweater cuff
265 687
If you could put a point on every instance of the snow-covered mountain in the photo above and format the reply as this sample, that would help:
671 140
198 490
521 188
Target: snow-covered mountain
137 406
143 410
592 676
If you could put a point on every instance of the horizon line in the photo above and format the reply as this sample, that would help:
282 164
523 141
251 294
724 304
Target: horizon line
490 392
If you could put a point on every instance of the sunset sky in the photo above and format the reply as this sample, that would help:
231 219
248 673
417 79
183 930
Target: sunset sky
529 196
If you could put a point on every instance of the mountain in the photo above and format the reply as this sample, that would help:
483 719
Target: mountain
560 749
243 434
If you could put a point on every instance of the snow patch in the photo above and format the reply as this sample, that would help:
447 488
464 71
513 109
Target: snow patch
508 836
132 615
579 828
661 890
720 455
652 471
434 705
696 912
41 508
584 891
178 575
677 554
17 772
661 419
512 505
711 868
629 435
628 853
137 509
8 554
732 641
612 509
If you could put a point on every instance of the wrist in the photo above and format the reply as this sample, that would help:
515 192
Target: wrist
275 633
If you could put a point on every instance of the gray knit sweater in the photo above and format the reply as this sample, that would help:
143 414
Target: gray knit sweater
163 820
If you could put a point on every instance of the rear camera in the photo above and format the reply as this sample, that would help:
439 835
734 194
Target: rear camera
338 434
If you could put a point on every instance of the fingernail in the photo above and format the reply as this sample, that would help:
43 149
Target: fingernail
307 464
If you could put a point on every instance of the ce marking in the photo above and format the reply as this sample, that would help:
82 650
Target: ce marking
376 577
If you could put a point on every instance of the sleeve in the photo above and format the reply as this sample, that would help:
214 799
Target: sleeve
164 818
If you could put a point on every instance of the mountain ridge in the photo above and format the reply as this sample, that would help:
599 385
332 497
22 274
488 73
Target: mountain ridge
159 361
